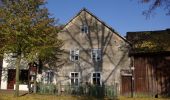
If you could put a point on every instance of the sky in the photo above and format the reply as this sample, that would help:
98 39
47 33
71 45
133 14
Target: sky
122 15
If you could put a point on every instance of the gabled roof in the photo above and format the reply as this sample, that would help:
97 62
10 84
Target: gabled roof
149 41
110 28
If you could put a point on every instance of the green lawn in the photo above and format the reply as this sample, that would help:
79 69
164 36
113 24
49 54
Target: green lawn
43 97
8 95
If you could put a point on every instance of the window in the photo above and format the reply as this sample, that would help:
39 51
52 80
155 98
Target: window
74 76
84 28
96 54
74 55
96 78
23 77
48 76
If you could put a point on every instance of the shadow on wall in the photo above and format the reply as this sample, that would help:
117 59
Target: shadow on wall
86 33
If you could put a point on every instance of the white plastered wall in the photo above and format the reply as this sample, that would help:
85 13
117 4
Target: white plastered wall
9 63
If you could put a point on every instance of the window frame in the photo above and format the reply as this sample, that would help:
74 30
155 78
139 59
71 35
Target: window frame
98 54
74 78
48 77
73 54
84 28
96 78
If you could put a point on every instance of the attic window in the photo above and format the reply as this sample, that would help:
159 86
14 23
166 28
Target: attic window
84 28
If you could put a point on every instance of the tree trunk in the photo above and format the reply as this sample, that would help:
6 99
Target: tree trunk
35 85
18 60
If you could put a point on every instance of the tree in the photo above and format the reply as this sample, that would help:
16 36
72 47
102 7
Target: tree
154 4
27 31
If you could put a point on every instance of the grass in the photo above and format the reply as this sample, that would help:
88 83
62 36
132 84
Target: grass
8 95
43 97
142 98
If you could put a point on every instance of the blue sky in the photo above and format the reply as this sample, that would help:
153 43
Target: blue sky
121 15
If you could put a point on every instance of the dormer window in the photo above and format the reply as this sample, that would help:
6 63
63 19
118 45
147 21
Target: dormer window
74 55
84 28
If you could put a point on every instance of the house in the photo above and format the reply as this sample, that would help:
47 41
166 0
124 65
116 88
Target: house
94 54
151 60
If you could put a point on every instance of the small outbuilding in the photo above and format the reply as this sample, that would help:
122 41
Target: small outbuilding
150 53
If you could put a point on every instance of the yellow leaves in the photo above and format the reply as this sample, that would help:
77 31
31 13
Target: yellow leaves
149 46
151 41
28 28
146 44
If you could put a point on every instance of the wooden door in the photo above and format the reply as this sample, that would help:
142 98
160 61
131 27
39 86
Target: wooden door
126 85
11 78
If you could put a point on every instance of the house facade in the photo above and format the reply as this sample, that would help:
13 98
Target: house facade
93 53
